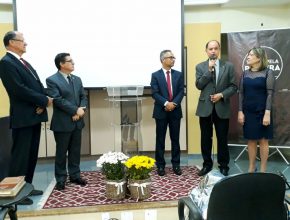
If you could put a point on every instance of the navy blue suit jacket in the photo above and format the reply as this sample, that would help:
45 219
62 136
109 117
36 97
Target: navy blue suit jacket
66 102
25 92
160 93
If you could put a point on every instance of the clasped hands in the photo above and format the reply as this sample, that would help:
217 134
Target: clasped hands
39 110
170 106
215 97
80 113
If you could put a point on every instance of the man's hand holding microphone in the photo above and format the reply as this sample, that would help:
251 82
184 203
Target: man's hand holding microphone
211 67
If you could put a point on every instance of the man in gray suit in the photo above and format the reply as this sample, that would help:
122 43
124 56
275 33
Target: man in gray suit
67 119
216 80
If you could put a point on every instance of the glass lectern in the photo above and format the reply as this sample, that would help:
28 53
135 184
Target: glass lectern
126 115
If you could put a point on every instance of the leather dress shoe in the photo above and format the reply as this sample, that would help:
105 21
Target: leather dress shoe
26 201
204 171
36 192
60 186
160 171
224 171
79 181
177 170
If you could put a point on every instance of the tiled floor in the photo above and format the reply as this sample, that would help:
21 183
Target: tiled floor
44 175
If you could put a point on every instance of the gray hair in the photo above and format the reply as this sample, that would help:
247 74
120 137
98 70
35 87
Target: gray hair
162 54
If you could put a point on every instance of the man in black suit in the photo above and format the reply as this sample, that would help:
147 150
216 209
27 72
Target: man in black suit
167 90
69 106
28 104
216 80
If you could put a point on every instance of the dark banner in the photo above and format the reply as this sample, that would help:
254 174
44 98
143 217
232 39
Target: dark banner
277 45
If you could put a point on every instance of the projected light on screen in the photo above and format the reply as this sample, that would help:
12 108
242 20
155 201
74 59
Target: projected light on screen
112 42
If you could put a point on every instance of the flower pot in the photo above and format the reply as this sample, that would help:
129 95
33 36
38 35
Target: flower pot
116 189
140 189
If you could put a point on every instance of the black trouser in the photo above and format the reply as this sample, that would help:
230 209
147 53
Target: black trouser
174 130
24 152
221 127
67 144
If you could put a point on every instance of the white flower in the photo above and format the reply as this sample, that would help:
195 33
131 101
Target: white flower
112 158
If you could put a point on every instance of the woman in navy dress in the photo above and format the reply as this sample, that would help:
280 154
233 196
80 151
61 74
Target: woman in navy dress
255 103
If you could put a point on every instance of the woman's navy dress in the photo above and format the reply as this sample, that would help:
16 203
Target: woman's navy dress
255 97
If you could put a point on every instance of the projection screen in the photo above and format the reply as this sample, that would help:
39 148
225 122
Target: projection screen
112 42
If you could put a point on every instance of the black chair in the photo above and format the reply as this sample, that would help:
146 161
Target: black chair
10 211
8 205
248 196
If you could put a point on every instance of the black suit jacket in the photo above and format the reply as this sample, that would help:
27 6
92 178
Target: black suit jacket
66 102
25 92
160 93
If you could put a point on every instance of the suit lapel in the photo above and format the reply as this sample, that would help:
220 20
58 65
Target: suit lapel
65 84
173 81
31 70
62 80
74 85
21 65
163 79
221 70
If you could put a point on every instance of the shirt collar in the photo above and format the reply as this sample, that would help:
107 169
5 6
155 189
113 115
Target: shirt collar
14 54
164 70
64 74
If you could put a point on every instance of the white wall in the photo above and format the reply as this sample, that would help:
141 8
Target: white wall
240 19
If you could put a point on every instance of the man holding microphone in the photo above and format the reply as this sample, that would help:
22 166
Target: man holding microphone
216 81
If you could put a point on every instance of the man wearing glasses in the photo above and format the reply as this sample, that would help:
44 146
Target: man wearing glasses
69 106
216 81
167 87
28 104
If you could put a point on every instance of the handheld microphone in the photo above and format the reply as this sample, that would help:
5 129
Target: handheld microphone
211 58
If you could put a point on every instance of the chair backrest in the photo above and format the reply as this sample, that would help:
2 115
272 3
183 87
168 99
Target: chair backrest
248 196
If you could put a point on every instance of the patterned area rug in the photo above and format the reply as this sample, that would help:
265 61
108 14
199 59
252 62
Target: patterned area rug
168 187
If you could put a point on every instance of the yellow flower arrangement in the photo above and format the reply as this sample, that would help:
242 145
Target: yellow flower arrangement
139 167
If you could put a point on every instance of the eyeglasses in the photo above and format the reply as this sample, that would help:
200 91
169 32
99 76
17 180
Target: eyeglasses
18 40
69 61
171 57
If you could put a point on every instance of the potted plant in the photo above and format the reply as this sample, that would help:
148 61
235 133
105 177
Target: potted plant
112 166
138 173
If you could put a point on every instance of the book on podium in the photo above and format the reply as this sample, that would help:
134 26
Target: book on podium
10 186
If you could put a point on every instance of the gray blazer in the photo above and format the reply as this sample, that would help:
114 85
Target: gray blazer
226 84
66 102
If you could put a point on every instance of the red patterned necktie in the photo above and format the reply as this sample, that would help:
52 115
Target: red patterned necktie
27 67
169 85
24 63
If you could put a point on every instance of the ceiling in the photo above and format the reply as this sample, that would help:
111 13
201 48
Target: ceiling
223 3
237 3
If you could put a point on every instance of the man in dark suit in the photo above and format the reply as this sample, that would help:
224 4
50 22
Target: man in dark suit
167 90
69 106
216 80
28 104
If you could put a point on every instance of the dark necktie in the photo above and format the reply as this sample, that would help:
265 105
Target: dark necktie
69 80
27 67
214 75
71 84
169 85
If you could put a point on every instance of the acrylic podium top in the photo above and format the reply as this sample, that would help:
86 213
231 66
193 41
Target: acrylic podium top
118 91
